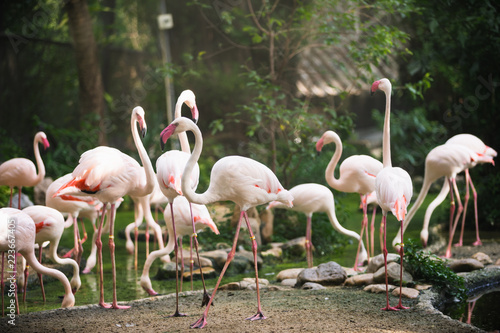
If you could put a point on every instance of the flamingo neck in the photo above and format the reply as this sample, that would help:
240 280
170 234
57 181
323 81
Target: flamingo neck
183 139
386 142
39 162
330 169
146 161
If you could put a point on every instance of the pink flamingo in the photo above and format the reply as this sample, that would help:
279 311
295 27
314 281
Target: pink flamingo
443 161
357 175
485 155
309 199
23 231
241 180
108 174
183 226
19 172
393 187
49 228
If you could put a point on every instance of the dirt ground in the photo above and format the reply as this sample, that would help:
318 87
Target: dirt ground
335 309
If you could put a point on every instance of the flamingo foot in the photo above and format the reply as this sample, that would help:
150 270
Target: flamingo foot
151 292
120 307
402 307
458 244
258 316
206 299
447 255
178 314
105 305
390 308
477 243
200 323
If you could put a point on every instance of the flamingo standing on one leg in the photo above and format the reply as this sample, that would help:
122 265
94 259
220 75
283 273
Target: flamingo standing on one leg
17 225
442 161
183 226
485 155
49 228
311 198
357 175
108 174
393 187
241 180
19 172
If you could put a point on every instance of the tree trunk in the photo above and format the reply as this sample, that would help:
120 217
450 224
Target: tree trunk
89 72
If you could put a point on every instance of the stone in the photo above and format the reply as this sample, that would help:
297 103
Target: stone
218 258
406 292
249 256
273 252
25 200
208 273
295 247
312 286
266 225
378 261
289 282
329 274
167 271
483 258
230 286
393 271
465 265
497 263
378 288
205 262
420 287
359 280
290 273
262 281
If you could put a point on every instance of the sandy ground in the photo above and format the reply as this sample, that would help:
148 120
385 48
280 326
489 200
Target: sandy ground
335 309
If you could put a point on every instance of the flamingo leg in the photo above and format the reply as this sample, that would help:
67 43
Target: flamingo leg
453 224
364 224
10 198
26 273
466 202
309 254
15 284
191 261
182 263
111 243
19 199
372 230
206 297
474 194
2 284
98 244
176 249
40 276
401 253
384 251
202 322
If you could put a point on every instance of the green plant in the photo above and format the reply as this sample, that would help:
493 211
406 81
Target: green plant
432 269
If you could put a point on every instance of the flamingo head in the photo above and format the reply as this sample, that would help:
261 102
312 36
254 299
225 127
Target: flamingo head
424 237
382 84
179 125
138 114
166 134
190 100
42 137
326 138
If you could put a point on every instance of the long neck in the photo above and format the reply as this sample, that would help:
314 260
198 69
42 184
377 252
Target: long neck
39 163
189 193
183 139
386 143
330 169
146 161
63 261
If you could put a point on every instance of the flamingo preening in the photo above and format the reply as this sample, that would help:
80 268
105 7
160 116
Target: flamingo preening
108 174
393 187
241 180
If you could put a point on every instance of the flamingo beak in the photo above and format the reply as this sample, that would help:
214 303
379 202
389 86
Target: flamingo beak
166 134
45 143
195 114
374 87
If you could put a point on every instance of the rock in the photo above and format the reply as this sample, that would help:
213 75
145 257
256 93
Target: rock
264 282
483 258
420 287
218 258
465 265
497 263
289 282
351 272
359 280
329 274
249 256
239 265
205 262
378 261
406 292
393 271
378 288
167 271
291 273
230 286
295 247
208 273
266 225
312 286
25 200
273 252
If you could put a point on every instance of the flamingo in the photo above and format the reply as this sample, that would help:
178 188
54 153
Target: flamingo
311 198
393 187
19 172
485 155
49 228
183 227
241 180
108 174
72 205
23 232
443 161
357 175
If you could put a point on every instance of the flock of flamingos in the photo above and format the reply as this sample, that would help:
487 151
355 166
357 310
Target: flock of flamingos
104 175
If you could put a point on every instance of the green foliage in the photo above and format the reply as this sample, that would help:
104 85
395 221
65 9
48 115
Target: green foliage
432 269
